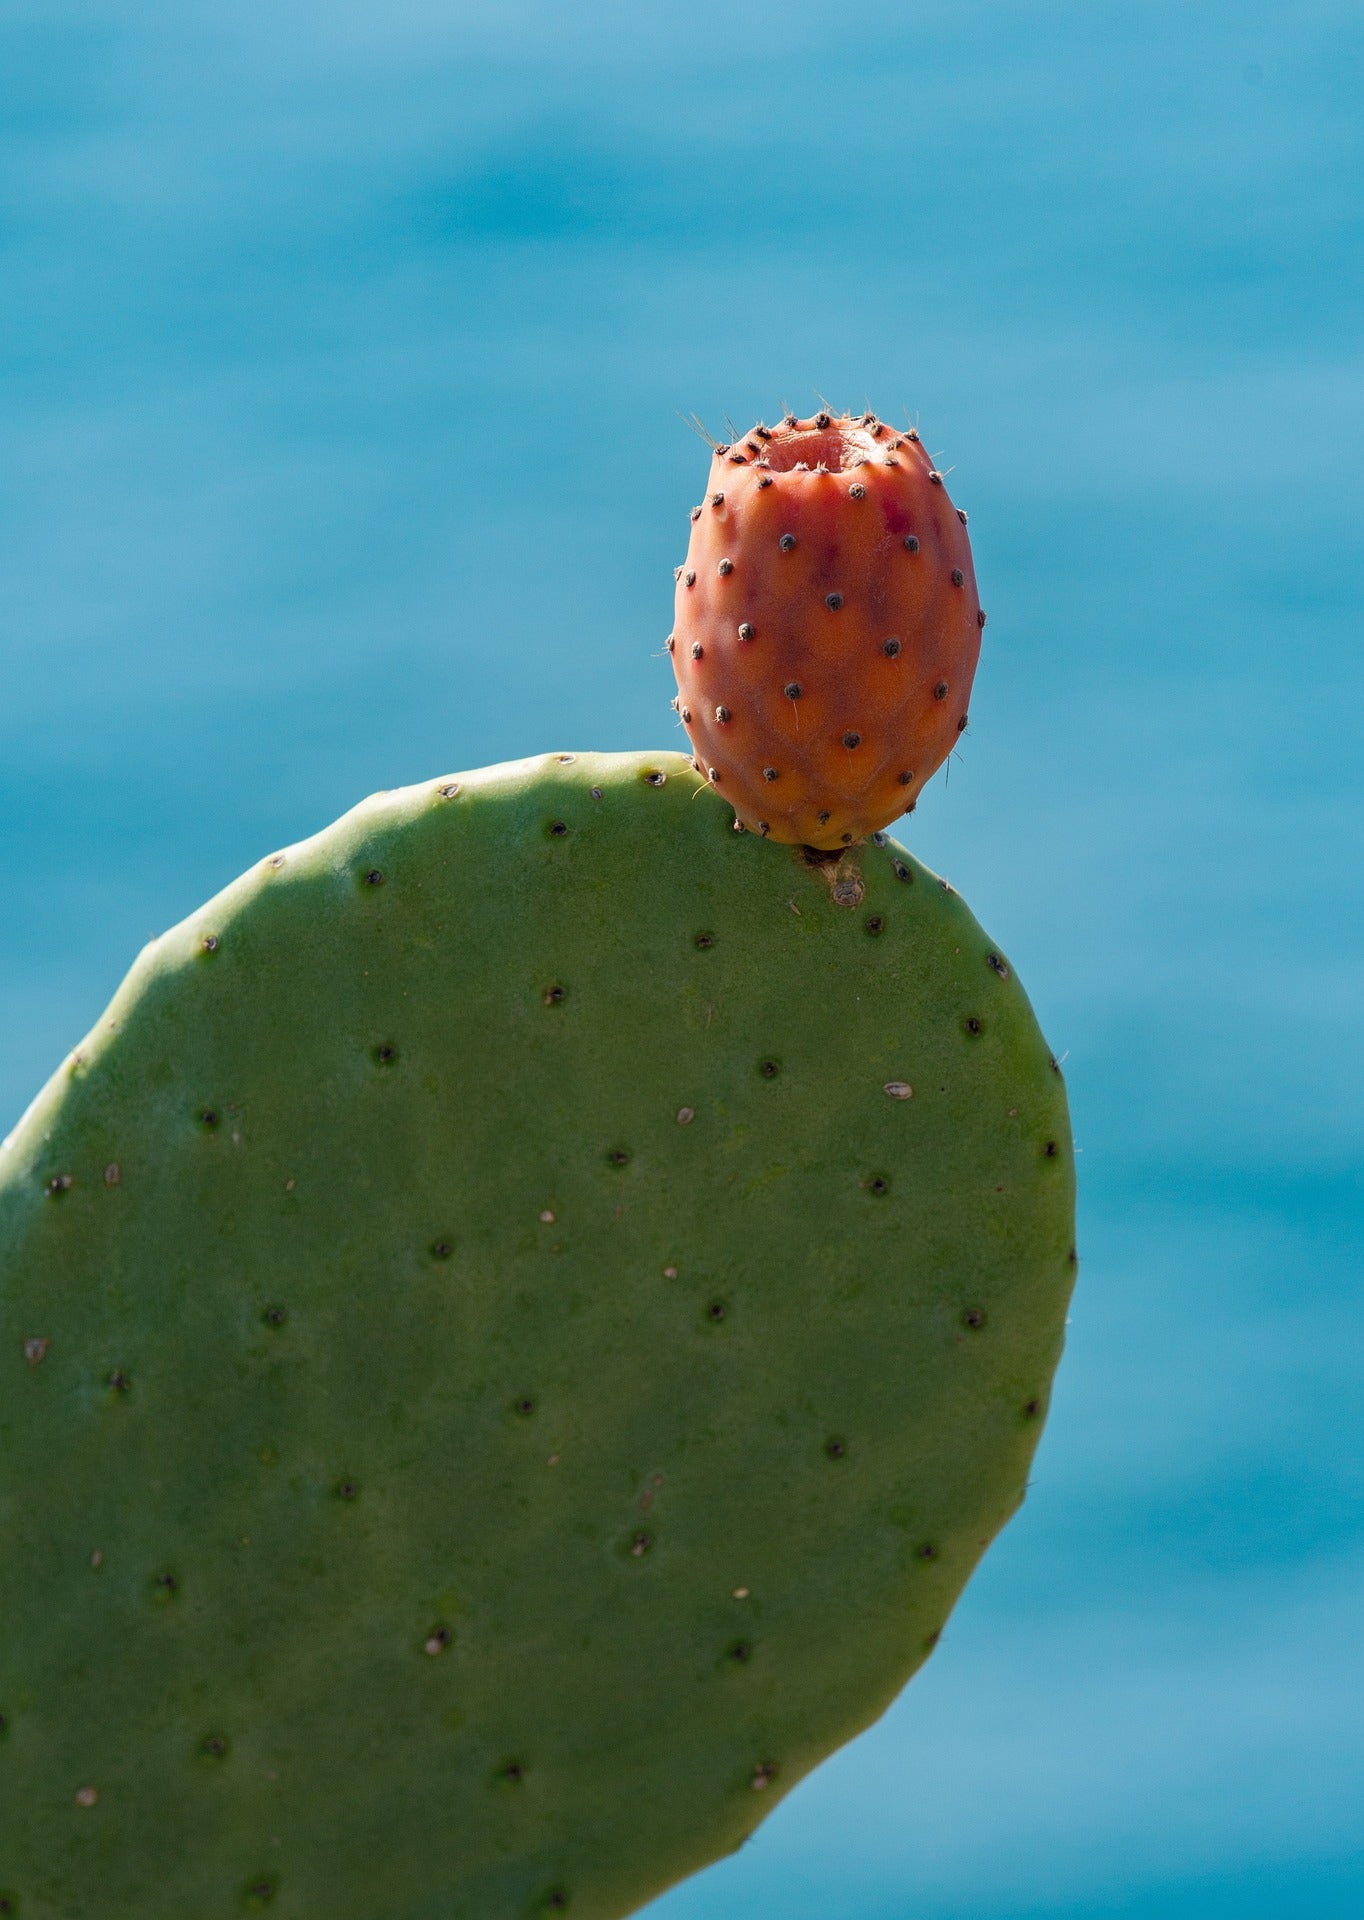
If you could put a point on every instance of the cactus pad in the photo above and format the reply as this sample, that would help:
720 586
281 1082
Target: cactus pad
515 1328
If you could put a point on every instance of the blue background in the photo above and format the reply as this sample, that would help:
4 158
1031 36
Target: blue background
343 349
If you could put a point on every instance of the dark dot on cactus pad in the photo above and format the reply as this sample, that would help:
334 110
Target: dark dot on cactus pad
685 712
974 1318
565 759
764 829
1073 1258
654 777
851 740
766 480
878 1184
738 825
725 566
876 924
436 1641
557 829
878 839
961 515
911 543
596 793
833 601
787 541
972 1025
713 775
928 1551
745 630
847 839
716 500
119 1381
769 773
696 513
346 1490
386 1054
672 643
1049 1151
166 1584
963 723
449 790
210 943
512 1773
4 1724
618 1157
935 477
524 1406
901 871
738 460
374 877
274 1316
824 818
691 577
996 965
741 1652
716 1310
857 491
722 449
835 1448
209 1117
704 940
890 648
441 1249
958 577
763 433
980 616
260 1893
214 1746
722 714
696 649
1032 1408
640 1545
762 1777
556 1900
821 419
769 1069
940 691
911 433
890 461
792 690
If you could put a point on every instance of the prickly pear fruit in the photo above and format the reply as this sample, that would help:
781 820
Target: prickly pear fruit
827 628
514 1330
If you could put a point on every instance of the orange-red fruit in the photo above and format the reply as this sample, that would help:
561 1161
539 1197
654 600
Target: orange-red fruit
827 628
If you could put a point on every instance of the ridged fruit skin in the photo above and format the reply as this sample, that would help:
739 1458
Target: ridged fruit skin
499 1375
826 559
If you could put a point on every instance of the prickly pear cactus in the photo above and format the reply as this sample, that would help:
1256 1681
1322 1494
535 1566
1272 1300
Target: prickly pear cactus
827 627
515 1329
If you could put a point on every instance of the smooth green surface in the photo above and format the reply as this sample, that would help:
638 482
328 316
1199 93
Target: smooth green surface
371 1539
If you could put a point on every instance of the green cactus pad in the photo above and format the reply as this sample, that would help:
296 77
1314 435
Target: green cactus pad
501 1374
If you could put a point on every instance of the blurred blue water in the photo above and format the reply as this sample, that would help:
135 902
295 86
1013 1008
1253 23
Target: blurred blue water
342 353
